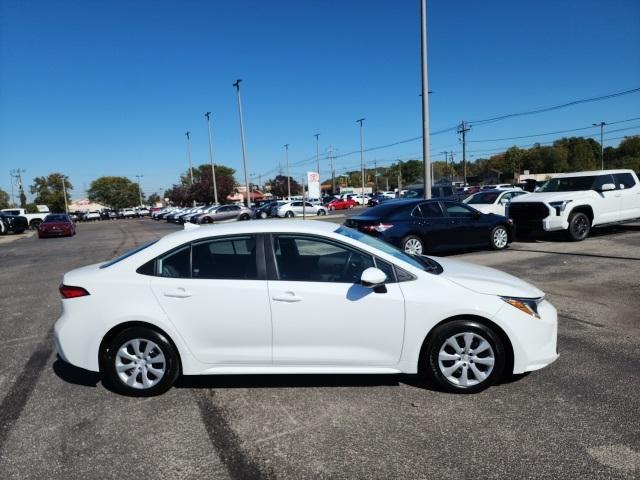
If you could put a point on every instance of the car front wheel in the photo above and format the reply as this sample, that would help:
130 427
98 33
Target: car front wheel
463 356
499 238
289 214
139 362
579 226
413 245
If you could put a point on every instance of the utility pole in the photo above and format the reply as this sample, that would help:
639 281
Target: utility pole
446 170
399 177
360 120
139 189
317 135
333 171
17 173
452 168
188 134
463 128
244 150
286 153
64 194
375 173
12 181
213 167
601 125
425 102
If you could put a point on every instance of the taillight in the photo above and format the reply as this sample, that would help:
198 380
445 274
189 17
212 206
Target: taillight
72 292
377 228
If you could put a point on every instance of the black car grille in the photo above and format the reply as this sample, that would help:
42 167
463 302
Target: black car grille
526 212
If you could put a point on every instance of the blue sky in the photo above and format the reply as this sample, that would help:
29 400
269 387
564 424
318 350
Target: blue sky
93 88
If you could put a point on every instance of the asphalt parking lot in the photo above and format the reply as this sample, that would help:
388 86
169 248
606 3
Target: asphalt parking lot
578 418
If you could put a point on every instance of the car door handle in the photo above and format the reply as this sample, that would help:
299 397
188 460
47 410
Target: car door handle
178 293
288 297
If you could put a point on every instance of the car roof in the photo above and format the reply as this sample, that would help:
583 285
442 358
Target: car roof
591 173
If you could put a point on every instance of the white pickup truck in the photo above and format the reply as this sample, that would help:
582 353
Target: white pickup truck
577 202
34 219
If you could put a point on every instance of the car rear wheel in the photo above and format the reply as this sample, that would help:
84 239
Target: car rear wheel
579 226
413 245
263 215
321 212
289 214
463 356
244 216
139 362
499 238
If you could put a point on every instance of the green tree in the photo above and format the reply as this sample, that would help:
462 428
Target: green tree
115 192
4 199
50 192
153 199
279 186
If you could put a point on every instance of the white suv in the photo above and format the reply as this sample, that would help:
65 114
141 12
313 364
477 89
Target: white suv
576 202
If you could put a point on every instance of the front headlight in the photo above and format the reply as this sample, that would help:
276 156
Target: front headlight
560 206
525 305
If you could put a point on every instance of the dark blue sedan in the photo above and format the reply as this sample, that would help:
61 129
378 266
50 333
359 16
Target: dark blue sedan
421 226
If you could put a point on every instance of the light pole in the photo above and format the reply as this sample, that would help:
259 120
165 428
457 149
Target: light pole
213 167
64 193
286 153
317 135
360 120
188 134
139 189
425 102
244 150
601 125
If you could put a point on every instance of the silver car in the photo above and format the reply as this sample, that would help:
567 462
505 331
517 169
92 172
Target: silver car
226 213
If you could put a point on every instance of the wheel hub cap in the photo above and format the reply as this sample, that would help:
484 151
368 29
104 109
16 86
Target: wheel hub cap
466 359
140 363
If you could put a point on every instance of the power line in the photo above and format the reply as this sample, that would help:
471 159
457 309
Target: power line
555 107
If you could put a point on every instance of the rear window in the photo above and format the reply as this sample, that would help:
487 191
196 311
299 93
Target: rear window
624 180
56 218
127 254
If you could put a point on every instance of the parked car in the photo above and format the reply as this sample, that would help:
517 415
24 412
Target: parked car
499 186
195 217
493 201
56 225
421 226
298 208
377 200
341 204
577 202
91 217
142 212
227 213
12 223
128 213
461 325
33 219
264 210
437 191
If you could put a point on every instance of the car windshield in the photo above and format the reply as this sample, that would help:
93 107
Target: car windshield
568 184
482 198
127 254
56 218
421 262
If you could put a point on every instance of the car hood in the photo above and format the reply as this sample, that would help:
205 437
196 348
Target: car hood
549 196
486 280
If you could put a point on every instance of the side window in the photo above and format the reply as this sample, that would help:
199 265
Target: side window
387 268
624 180
600 181
222 209
225 258
307 204
175 264
296 204
431 210
458 210
312 259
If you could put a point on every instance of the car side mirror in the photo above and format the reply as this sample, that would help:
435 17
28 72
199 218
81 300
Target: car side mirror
505 201
374 278
607 187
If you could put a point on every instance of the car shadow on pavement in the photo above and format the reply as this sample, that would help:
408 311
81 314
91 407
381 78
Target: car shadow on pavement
75 375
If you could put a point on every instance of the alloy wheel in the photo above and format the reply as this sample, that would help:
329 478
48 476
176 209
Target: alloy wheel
466 359
500 238
140 363
413 246
580 226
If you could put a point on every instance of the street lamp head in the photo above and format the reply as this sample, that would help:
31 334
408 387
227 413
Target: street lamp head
188 134
208 115
360 120
237 83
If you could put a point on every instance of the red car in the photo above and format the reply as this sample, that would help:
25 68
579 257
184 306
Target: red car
56 225
339 204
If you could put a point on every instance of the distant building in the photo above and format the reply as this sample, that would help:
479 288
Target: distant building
85 205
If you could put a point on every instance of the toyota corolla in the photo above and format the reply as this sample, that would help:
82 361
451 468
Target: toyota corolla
297 297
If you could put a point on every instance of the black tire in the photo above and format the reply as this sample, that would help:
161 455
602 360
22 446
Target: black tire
579 227
243 217
499 239
289 214
430 363
413 240
35 223
108 360
263 215
321 213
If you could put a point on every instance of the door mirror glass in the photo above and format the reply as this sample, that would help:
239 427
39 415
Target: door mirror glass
373 277
607 187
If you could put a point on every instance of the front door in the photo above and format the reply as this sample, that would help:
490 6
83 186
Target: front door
610 202
213 295
322 315
468 228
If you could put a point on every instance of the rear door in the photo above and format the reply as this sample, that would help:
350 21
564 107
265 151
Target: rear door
629 191
610 201
433 225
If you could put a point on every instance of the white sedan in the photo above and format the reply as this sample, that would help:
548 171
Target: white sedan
297 297
493 201
299 208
